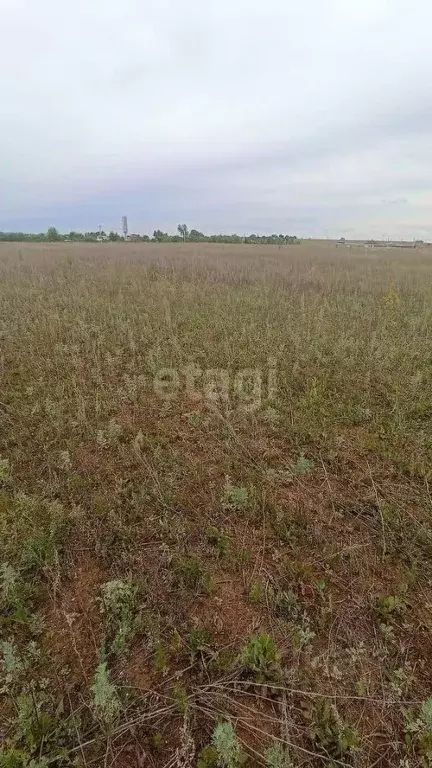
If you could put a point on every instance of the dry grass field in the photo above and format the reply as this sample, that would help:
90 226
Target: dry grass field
215 506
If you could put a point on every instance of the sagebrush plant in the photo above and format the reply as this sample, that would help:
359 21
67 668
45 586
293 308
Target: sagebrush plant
12 662
105 698
302 466
277 755
228 748
119 604
235 497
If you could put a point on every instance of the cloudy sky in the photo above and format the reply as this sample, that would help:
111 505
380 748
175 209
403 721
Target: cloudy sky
311 117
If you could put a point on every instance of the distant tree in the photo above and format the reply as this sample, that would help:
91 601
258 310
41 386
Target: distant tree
161 237
183 231
196 236
52 234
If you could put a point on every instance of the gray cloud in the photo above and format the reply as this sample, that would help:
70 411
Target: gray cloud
273 115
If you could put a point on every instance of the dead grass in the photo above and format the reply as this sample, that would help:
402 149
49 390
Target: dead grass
307 519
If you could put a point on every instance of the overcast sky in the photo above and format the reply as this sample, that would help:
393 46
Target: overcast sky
311 117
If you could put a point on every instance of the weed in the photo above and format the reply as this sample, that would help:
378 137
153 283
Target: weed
235 498
12 662
227 745
161 659
180 698
208 757
288 530
4 472
329 733
65 461
256 592
241 558
194 419
32 531
106 701
119 604
218 539
401 680
259 658
302 466
109 436
16 595
224 660
277 756
418 730
156 740
37 731
198 639
303 635
286 605
191 575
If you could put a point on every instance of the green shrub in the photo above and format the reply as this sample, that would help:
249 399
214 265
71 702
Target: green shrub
259 658
227 745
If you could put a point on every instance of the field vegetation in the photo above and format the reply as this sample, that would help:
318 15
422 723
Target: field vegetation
215 506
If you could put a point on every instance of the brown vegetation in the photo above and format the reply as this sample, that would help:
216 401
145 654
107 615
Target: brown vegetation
174 563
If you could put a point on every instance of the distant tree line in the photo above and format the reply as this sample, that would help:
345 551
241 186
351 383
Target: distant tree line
183 235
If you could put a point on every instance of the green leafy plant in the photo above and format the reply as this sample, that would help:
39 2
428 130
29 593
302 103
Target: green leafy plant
418 730
259 658
12 662
191 575
302 466
390 606
218 539
198 639
303 633
287 605
256 592
286 529
329 733
15 596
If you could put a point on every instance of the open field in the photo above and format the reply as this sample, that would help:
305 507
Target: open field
215 506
